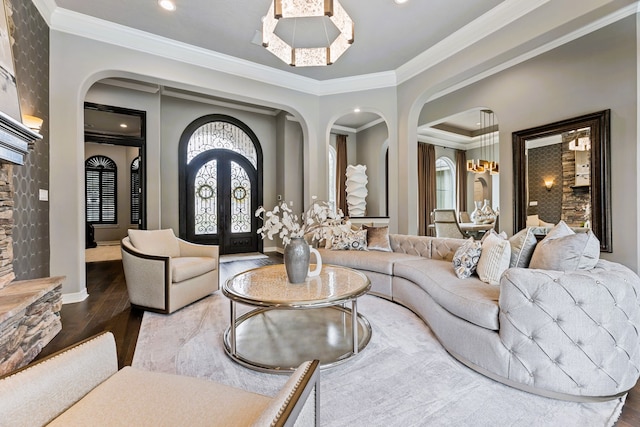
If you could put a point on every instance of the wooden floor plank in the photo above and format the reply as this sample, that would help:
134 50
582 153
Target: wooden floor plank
107 309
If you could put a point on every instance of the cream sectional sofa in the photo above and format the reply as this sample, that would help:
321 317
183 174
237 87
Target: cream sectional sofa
569 335
82 386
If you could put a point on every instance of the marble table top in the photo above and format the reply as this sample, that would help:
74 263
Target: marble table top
268 286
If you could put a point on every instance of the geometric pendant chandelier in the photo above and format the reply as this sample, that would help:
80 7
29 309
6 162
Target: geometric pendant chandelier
327 51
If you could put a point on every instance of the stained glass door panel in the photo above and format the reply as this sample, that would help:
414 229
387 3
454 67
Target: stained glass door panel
223 197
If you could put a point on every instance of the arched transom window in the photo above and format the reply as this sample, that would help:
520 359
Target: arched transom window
225 135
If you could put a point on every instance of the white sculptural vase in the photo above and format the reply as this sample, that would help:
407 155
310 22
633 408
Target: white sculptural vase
356 187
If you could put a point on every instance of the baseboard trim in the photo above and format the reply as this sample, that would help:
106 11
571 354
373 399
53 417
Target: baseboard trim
75 297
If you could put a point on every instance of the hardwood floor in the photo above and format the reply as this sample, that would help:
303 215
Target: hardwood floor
107 309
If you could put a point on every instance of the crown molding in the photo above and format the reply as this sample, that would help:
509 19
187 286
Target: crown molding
205 100
46 8
64 20
485 25
78 24
583 31
357 83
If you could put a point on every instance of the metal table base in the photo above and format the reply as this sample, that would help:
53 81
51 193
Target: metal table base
279 340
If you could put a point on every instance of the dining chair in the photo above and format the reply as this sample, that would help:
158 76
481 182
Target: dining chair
446 224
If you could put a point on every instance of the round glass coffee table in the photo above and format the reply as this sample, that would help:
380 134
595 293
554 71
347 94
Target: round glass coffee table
295 322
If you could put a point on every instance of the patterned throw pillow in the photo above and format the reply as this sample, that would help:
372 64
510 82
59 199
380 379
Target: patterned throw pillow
350 241
466 258
494 260
378 238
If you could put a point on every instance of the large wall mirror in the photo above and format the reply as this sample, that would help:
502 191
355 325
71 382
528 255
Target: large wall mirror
562 172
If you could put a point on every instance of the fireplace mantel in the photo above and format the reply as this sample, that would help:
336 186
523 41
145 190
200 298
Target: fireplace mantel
14 140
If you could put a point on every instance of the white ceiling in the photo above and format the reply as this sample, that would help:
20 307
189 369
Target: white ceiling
392 42
387 35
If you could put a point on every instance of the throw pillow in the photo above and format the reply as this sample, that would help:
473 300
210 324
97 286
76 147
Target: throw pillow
155 242
564 250
523 243
465 260
328 233
494 259
502 234
350 241
378 238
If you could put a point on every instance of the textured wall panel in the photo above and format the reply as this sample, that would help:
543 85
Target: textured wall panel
31 216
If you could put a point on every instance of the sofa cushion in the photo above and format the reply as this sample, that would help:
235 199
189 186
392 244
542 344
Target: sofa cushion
470 299
380 262
564 250
154 398
494 260
183 268
155 242
465 260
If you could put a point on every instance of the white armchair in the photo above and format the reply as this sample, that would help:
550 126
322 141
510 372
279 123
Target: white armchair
165 273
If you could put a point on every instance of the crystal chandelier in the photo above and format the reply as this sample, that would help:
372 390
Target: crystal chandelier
487 146
307 56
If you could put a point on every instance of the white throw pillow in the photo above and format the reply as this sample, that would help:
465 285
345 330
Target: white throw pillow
523 243
494 259
564 250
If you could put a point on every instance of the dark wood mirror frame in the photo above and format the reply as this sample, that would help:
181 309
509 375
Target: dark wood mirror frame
599 123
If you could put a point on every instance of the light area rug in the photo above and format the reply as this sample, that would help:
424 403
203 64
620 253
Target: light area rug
105 251
403 377
242 257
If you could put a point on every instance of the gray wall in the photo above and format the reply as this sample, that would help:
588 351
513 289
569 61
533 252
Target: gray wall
31 216
371 149
593 73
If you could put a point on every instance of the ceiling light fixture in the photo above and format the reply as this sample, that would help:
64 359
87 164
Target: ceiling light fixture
400 1
167 5
307 56
487 146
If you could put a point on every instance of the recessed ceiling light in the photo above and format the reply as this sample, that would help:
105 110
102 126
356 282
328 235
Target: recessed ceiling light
356 110
400 1
123 125
167 5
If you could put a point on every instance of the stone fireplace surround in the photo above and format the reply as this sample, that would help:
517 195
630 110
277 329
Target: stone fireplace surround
29 309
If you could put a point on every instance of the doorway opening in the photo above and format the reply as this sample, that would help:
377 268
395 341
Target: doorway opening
115 178
220 160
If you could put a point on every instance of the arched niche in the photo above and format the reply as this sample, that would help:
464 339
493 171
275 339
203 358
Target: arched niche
367 137
475 132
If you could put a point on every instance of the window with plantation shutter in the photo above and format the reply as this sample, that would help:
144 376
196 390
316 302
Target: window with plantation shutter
135 190
100 188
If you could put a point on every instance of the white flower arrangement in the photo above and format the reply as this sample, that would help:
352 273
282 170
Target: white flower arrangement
281 221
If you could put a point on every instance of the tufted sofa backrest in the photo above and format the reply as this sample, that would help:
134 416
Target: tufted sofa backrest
425 246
